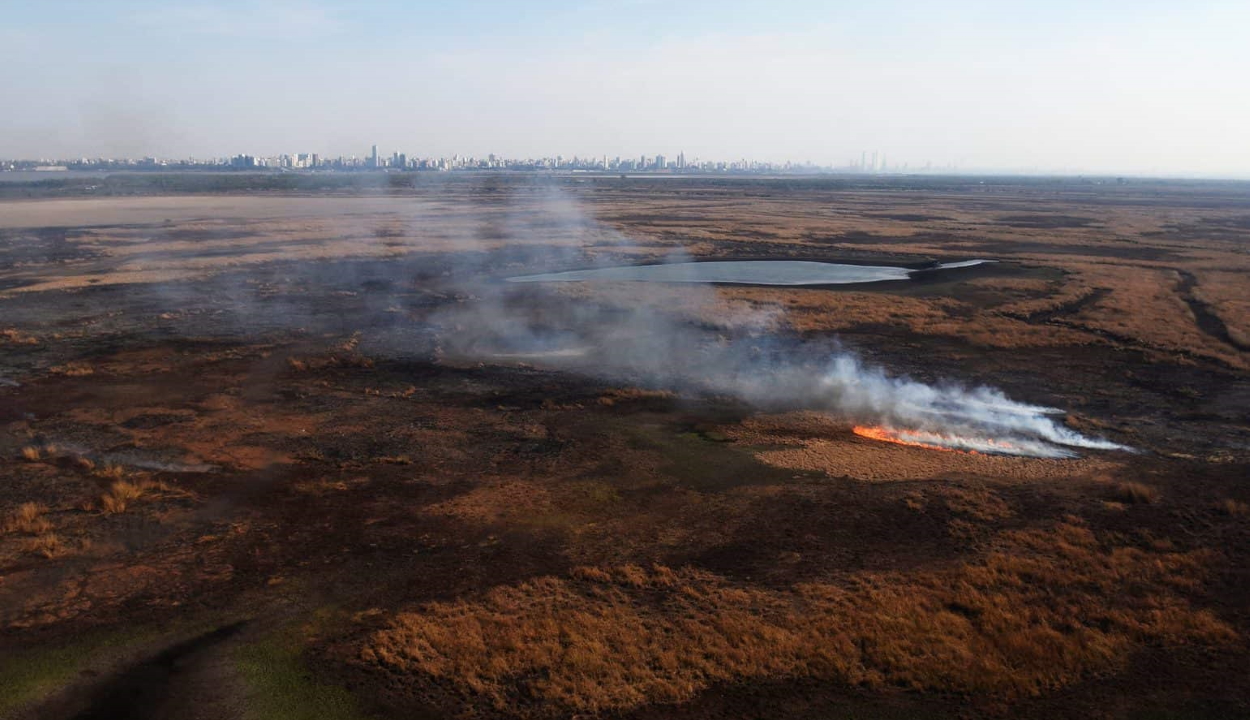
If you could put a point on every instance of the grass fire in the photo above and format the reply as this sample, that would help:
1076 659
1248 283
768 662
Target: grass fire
295 446
957 443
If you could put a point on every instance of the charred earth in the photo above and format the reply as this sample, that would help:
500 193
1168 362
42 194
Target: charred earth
293 447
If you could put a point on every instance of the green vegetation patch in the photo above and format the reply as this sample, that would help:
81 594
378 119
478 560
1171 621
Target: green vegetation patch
30 676
281 687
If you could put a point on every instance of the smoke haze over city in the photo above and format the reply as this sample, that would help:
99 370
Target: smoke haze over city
1107 87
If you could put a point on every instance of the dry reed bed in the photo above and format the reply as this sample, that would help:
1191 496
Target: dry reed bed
1044 609
814 442
1229 297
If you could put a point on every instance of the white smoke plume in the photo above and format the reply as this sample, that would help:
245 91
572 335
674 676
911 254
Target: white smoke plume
741 356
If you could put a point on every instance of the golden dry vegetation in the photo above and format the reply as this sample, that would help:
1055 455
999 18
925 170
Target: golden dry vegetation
28 519
492 538
1046 608
1234 508
1227 293
815 442
47 545
17 337
123 494
72 369
1135 492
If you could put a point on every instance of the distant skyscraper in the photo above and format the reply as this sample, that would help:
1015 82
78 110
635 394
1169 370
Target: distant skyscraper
373 157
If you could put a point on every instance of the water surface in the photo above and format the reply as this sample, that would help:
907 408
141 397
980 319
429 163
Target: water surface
745 272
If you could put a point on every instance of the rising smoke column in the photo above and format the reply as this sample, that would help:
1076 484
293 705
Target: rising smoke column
639 341
977 419
640 345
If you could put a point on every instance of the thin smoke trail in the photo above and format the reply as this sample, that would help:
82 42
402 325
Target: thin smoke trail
786 376
641 340
981 418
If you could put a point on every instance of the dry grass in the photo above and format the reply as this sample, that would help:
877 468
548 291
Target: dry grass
1135 492
28 520
1145 305
1141 305
110 471
1054 297
72 369
325 486
1234 508
813 442
637 393
351 343
36 453
395 459
1226 293
47 544
818 311
625 395
976 503
122 494
14 336
1044 610
347 360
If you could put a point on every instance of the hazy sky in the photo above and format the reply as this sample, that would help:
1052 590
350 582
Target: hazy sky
1095 85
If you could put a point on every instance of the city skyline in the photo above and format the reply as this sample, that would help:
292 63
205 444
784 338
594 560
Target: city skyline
1115 87
872 163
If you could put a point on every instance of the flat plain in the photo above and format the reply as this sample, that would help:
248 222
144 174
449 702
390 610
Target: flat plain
262 459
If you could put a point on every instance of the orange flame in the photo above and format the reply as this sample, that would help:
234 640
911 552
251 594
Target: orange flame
890 435
936 441
948 442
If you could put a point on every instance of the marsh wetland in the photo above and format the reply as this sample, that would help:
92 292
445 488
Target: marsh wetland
280 449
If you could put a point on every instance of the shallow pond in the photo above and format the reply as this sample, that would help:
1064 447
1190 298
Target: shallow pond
745 272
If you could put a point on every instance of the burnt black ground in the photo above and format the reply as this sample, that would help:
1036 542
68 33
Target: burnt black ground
1179 408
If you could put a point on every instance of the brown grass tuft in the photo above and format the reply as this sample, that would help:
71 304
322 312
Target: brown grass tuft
395 459
1046 610
1135 492
353 361
635 393
321 486
72 369
28 519
122 494
111 471
350 344
1234 508
347 360
17 337
46 544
